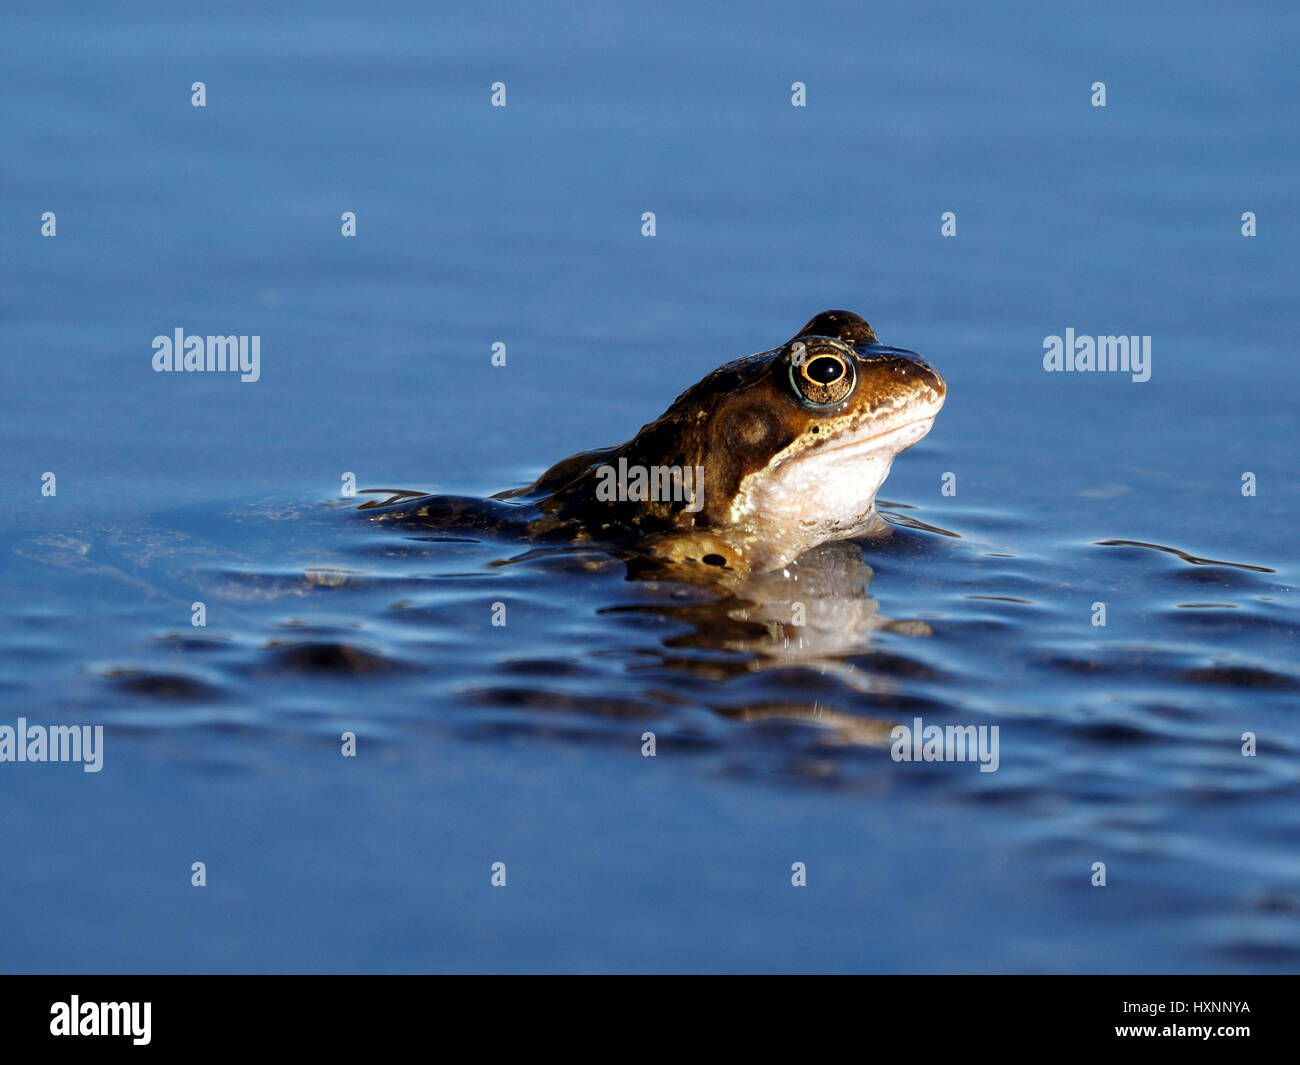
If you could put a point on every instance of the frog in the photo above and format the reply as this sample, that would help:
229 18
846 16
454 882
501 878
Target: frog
760 461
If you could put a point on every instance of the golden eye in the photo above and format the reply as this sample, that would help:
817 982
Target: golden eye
824 370
821 375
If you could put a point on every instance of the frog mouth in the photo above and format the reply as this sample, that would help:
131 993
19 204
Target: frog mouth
877 440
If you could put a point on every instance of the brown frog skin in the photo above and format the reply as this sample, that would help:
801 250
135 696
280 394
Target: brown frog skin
785 450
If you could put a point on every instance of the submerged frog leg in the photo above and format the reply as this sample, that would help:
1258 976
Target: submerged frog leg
453 512
697 556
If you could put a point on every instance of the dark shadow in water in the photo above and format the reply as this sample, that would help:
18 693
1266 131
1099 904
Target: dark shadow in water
1193 559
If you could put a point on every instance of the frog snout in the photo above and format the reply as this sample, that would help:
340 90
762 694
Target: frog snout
927 375
908 369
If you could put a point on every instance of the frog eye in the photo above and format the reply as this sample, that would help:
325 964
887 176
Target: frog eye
821 376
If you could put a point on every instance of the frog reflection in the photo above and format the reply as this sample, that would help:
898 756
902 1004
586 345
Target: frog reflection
813 614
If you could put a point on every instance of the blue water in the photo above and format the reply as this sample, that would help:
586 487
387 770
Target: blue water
522 225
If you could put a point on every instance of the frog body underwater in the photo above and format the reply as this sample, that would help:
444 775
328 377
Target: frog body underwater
765 458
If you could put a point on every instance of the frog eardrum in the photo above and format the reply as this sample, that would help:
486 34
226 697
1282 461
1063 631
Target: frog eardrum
822 373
